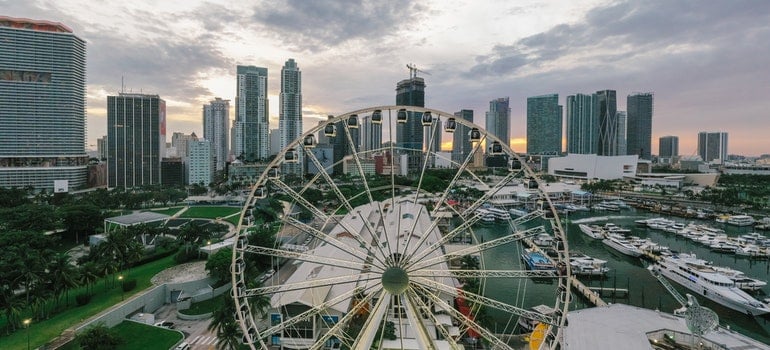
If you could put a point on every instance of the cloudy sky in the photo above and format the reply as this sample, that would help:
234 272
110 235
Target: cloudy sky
706 61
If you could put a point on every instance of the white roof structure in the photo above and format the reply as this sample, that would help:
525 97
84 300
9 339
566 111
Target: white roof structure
135 219
620 326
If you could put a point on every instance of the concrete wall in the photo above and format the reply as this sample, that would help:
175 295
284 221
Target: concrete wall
146 302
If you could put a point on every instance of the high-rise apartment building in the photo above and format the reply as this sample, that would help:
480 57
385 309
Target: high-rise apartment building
42 105
668 149
179 143
608 122
275 141
136 134
712 146
251 129
216 126
499 119
544 125
582 118
101 147
620 134
200 162
639 107
461 142
409 136
290 112
371 135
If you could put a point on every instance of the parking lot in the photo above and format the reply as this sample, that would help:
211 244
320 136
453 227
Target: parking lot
195 332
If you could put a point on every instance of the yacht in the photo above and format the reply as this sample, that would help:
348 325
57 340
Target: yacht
584 265
741 220
499 214
536 260
543 240
592 231
486 216
752 251
517 212
528 325
702 278
612 228
621 244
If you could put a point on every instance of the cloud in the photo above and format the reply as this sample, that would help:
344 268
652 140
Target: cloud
321 24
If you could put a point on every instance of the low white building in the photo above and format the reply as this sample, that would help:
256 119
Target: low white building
592 166
200 162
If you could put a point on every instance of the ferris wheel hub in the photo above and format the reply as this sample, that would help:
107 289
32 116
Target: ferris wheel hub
395 280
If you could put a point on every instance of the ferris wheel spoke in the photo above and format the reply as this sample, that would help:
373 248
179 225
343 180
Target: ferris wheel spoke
478 248
322 260
343 247
358 162
424 340
459 172
339 327
445 239
402 263
322 282
424 162
491 192
372 325
467 322
486 273
425 310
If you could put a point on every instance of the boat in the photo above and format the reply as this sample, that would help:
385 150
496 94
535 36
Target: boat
612 228
592 231
752 251
535 260
499 214
724 247
486 216
584 265
576 207
517 212
621 244
606 206
695 274
527 325
543 240
741 220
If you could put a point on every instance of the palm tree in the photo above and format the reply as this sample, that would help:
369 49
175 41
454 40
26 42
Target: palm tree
89 273
63 274
223 314
12 306
229 336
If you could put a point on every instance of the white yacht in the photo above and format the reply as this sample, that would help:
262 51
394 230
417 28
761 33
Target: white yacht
592 231
700 277
517 212
584 265
543 240
741 220
486 216
621 244
499 214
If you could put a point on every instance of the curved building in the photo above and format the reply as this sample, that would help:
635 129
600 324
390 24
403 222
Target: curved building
42 105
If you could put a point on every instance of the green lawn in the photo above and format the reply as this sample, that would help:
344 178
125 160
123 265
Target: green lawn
151 337
43 331
204 307
209 212
168 211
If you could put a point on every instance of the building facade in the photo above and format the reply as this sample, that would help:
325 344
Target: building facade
216 127
371 135
712 146
251 129
461 142
290 112
582 119
544 125
639 107
606 102
499 118
179 142
42 105
668 149
136 134
101 147
172 171
621 118
409 136
200 162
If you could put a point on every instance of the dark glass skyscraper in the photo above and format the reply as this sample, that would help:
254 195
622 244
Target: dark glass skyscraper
499 119
461 142
582 120
136 134
42 104
544 125
712 146
409 136
608 123
668 148
639 124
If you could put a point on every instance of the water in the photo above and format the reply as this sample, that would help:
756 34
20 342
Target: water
626 272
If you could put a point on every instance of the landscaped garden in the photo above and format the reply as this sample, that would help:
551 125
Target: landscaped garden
203 307
153 338
209 212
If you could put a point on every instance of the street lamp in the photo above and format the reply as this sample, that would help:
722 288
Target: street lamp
122 288
27 322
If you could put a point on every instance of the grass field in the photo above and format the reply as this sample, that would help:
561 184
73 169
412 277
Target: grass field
168 211
152 338
203 307
43 331
209 212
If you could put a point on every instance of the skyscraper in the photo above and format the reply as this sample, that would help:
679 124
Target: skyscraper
42 104
200 162
608 122
668 149
136 135
179 141
639 132
461 142
544 125
582 120
290 112
620 134
216 126
712 146
409 136
250 133
371 135
498 119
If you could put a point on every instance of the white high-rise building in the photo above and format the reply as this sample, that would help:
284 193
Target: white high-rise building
275 141
199 162
250 130
216 126
290 113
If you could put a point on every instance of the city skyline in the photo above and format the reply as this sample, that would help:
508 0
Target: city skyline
702 62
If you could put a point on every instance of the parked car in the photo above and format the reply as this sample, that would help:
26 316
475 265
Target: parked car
165 324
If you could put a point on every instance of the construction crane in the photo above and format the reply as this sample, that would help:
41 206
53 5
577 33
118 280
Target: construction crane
413 70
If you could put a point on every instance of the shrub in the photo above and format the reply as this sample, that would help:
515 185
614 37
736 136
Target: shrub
183 256
82 299
129 285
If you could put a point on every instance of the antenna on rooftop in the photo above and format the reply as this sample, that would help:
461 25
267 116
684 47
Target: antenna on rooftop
413 70
122 85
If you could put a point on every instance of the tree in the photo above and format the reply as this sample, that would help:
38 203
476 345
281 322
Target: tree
99 337
81 219
218 265
229 336
223 314
63 275
89 273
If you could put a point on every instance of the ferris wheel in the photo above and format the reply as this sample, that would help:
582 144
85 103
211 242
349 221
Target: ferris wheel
387 242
